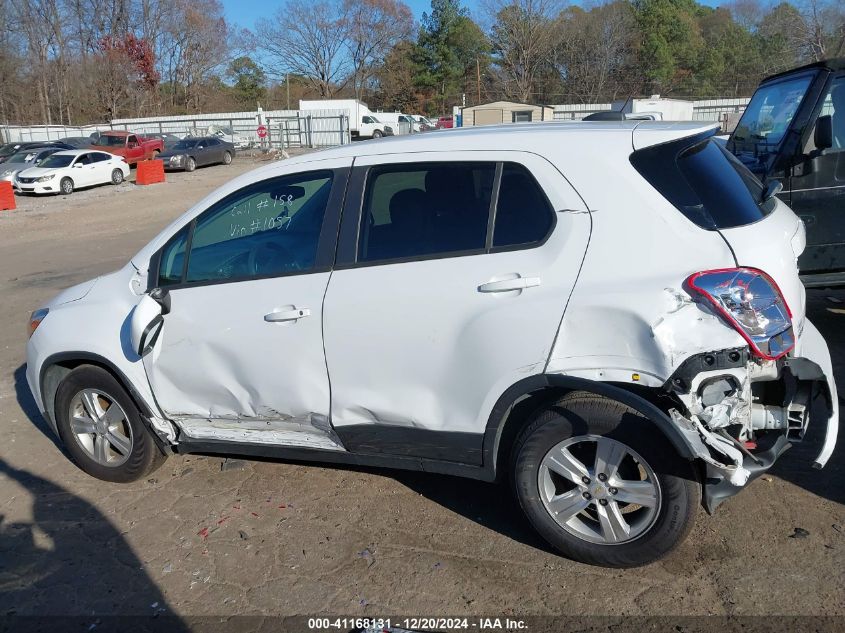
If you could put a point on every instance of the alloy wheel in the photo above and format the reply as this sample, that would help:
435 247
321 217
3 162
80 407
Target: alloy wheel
100 427
599 489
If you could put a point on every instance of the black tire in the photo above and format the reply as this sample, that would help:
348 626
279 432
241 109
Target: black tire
144 455
190 163
66 186
579 414
116 177
377 134
227 158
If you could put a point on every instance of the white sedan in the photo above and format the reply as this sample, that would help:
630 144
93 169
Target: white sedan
72 169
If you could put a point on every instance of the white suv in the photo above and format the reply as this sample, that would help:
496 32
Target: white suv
609 314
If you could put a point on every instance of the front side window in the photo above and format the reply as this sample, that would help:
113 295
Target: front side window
425 210
270 228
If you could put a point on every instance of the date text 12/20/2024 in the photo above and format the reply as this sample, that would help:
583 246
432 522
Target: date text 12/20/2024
413 624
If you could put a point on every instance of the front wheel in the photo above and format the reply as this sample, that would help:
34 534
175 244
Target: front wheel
116 177
190 164
102 428
66 186
377 134
601 484
227 158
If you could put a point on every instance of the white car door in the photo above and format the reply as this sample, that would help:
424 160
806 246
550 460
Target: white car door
444 300
84 171
102 167
239 357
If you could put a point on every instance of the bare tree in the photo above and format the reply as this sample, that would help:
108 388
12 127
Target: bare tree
523 37
310 40
374 28
593 50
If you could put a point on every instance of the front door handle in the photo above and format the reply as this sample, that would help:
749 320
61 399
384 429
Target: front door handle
507 285
287 315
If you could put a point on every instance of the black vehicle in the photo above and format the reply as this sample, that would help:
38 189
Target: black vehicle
193 152
168 139
793 130
9 149
78 142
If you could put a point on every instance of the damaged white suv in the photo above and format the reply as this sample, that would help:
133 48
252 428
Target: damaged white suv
609 314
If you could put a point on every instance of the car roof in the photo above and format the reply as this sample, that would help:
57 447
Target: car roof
540 138
77 152
834 64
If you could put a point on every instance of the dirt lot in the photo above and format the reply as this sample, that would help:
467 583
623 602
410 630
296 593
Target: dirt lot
208 537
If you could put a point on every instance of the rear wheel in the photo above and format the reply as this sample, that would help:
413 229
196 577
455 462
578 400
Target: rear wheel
66 186
102 428
190 164
116 177
601 484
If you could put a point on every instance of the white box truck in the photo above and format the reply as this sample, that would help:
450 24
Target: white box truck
362 122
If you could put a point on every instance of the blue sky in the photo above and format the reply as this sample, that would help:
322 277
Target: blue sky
244 13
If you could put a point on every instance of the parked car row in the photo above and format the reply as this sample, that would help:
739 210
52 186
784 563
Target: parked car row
53 168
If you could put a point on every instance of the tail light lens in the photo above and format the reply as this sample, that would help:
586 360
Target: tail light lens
752 303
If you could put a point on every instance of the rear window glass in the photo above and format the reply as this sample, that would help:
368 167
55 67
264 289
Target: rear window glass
704 182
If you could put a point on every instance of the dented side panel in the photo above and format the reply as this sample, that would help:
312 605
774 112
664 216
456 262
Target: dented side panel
219 366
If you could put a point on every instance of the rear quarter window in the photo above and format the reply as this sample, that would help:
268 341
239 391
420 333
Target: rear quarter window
704 182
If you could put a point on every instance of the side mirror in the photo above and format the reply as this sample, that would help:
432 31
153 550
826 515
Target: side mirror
78 165
148 319
823 136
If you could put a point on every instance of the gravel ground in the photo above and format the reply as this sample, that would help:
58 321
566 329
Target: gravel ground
206 536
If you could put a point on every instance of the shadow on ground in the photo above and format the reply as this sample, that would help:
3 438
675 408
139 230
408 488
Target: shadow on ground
69 560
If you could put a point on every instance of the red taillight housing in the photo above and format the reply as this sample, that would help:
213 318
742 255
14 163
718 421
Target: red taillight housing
752 303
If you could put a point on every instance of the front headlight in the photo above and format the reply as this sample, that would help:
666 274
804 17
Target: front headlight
35 319
46 178
175 160
8 172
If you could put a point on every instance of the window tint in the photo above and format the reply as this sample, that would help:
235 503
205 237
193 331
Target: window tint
269 228
523 213
704 182
83 159
212 142
419 210
99 157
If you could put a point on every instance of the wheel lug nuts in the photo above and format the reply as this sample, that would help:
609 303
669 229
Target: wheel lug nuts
586 480
602 477
587 496
602 502
612 491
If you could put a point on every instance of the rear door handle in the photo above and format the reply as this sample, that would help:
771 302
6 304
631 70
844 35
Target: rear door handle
287 315
507 285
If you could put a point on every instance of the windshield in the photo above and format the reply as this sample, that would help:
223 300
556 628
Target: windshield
57 160
8 149
23 157
770 112
111 141
374 120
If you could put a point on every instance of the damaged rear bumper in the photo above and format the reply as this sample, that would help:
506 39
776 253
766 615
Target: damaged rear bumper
739 414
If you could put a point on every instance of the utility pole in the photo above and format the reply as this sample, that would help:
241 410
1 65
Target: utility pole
478 79
287 87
